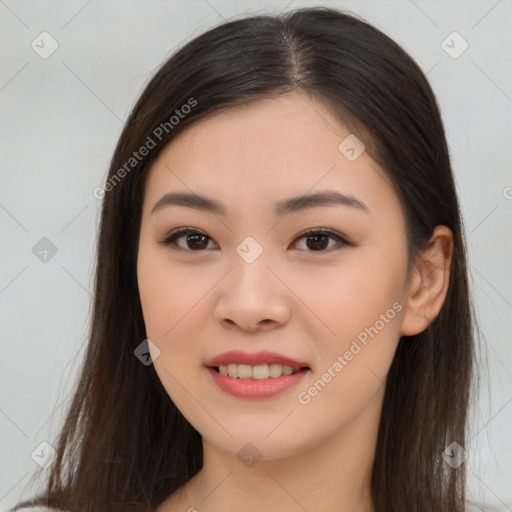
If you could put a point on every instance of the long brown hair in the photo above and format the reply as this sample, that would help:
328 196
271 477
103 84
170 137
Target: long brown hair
124 445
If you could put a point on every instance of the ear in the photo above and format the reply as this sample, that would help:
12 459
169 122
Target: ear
429 283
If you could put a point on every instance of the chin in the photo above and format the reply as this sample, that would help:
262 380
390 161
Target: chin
252 446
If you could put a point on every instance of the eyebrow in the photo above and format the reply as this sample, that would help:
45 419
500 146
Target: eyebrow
294 204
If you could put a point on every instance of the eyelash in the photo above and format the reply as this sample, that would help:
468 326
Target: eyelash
181 232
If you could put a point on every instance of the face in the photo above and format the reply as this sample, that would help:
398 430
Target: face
249 279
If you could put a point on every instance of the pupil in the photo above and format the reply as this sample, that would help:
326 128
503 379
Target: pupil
316 239
194 240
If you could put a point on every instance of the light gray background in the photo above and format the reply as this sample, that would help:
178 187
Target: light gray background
60 120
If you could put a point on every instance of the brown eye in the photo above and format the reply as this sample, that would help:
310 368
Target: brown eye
318 240
194 240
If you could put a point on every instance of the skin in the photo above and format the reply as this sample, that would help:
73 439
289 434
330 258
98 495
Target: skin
295 299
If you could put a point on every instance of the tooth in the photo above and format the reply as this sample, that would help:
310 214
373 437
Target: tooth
275 370
260 371
244 371
233 370
287 370
257 372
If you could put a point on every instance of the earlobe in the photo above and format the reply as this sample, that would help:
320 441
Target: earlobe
429 283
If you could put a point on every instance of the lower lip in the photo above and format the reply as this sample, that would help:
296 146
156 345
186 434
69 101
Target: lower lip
256 388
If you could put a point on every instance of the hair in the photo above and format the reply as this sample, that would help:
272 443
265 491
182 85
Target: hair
124 445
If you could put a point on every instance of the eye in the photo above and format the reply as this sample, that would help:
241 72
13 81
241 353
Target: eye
193 238
317 240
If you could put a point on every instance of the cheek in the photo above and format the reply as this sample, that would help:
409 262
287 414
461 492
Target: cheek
351 296
171 305
167 297
176 307
155 295
360 305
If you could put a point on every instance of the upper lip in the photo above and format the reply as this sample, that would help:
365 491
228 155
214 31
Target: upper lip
263 357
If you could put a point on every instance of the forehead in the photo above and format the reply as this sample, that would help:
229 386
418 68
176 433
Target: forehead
265 151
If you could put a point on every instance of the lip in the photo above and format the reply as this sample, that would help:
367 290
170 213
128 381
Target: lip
262 357
254 388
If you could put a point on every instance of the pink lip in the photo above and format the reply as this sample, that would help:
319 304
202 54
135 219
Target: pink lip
253 388
263 357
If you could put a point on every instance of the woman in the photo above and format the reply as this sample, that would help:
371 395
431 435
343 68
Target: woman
281 314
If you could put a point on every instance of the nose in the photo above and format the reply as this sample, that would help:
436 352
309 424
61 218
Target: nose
252 297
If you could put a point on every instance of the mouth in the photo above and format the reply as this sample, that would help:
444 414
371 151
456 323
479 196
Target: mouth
261 381
257 372
262 365
255 375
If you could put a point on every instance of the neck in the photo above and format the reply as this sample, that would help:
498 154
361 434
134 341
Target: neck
333 475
